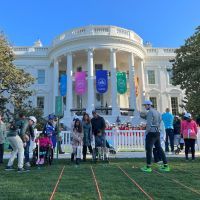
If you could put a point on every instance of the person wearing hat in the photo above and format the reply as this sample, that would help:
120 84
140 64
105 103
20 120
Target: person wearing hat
153 138
189 133
50 129
17 138
27 129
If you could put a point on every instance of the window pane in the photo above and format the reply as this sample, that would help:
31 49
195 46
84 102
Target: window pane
154 101
174 104
151 76
40 102
41 76
170 75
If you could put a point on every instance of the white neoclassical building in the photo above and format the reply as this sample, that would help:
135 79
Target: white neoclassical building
92 48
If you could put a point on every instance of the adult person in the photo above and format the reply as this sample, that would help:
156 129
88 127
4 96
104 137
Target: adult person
87 135
50 129
98 124
2 137
17 144
27 128
168 120
189 132
153 138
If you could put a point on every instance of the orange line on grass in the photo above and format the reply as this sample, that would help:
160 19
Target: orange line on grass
176 181
133 181
96 184
56 186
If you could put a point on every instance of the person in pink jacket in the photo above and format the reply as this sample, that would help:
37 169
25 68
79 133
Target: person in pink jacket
44 142
189 134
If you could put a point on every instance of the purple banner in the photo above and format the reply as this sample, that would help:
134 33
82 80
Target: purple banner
80 83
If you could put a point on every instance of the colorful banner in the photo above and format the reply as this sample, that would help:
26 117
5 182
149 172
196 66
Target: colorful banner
63 85
80 83
102 81
121 82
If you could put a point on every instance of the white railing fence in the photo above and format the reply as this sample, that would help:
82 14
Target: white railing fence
121 140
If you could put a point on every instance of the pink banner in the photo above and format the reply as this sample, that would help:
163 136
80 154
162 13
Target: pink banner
80 83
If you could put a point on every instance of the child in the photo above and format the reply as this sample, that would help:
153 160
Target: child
44 142
189 133
77 140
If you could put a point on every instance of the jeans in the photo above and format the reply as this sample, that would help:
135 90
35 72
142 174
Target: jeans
189 143
170 136
85 150
26 151
18 148
153 138
1 152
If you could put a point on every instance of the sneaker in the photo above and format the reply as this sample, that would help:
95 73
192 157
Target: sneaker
164 168
27 164
9 168
37 162
146 169
21 170
41 161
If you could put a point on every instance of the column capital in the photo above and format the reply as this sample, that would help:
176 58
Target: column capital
90 50
113 50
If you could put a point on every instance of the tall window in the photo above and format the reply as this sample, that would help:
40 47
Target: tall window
41 76
154 101
151 77
170 75
174 104
40 103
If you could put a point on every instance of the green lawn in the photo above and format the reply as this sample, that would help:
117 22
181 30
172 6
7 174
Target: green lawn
183 182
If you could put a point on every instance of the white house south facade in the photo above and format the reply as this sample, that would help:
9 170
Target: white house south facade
92 48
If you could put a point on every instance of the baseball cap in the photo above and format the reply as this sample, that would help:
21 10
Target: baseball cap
147 102
187 115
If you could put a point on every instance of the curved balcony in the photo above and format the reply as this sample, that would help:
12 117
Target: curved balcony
98 31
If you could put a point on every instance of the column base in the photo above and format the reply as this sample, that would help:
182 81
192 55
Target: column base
116 111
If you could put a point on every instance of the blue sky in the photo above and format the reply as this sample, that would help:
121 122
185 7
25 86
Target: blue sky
165 23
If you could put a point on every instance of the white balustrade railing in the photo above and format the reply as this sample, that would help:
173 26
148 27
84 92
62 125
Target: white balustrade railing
121 140
98 30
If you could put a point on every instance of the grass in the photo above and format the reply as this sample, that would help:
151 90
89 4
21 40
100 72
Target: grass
183 182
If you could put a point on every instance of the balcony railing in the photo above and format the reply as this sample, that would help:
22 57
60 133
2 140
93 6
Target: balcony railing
98 30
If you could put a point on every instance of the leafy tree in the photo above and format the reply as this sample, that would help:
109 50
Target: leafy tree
14 83
186 72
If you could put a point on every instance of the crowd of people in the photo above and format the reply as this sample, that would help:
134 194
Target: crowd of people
172 131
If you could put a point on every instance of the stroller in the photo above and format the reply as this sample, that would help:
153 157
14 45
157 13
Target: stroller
110 147
178 143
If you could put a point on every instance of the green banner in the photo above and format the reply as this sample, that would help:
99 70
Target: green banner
58 108
121 82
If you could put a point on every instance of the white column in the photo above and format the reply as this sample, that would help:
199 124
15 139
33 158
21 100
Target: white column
113 64
132 82
55 81
143 80
69 96
90 102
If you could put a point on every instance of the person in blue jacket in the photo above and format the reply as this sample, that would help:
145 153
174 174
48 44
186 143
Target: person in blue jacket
168 120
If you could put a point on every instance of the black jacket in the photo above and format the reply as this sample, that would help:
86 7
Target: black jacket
98 124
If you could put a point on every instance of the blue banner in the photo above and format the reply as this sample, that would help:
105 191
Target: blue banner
102 81
63 85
